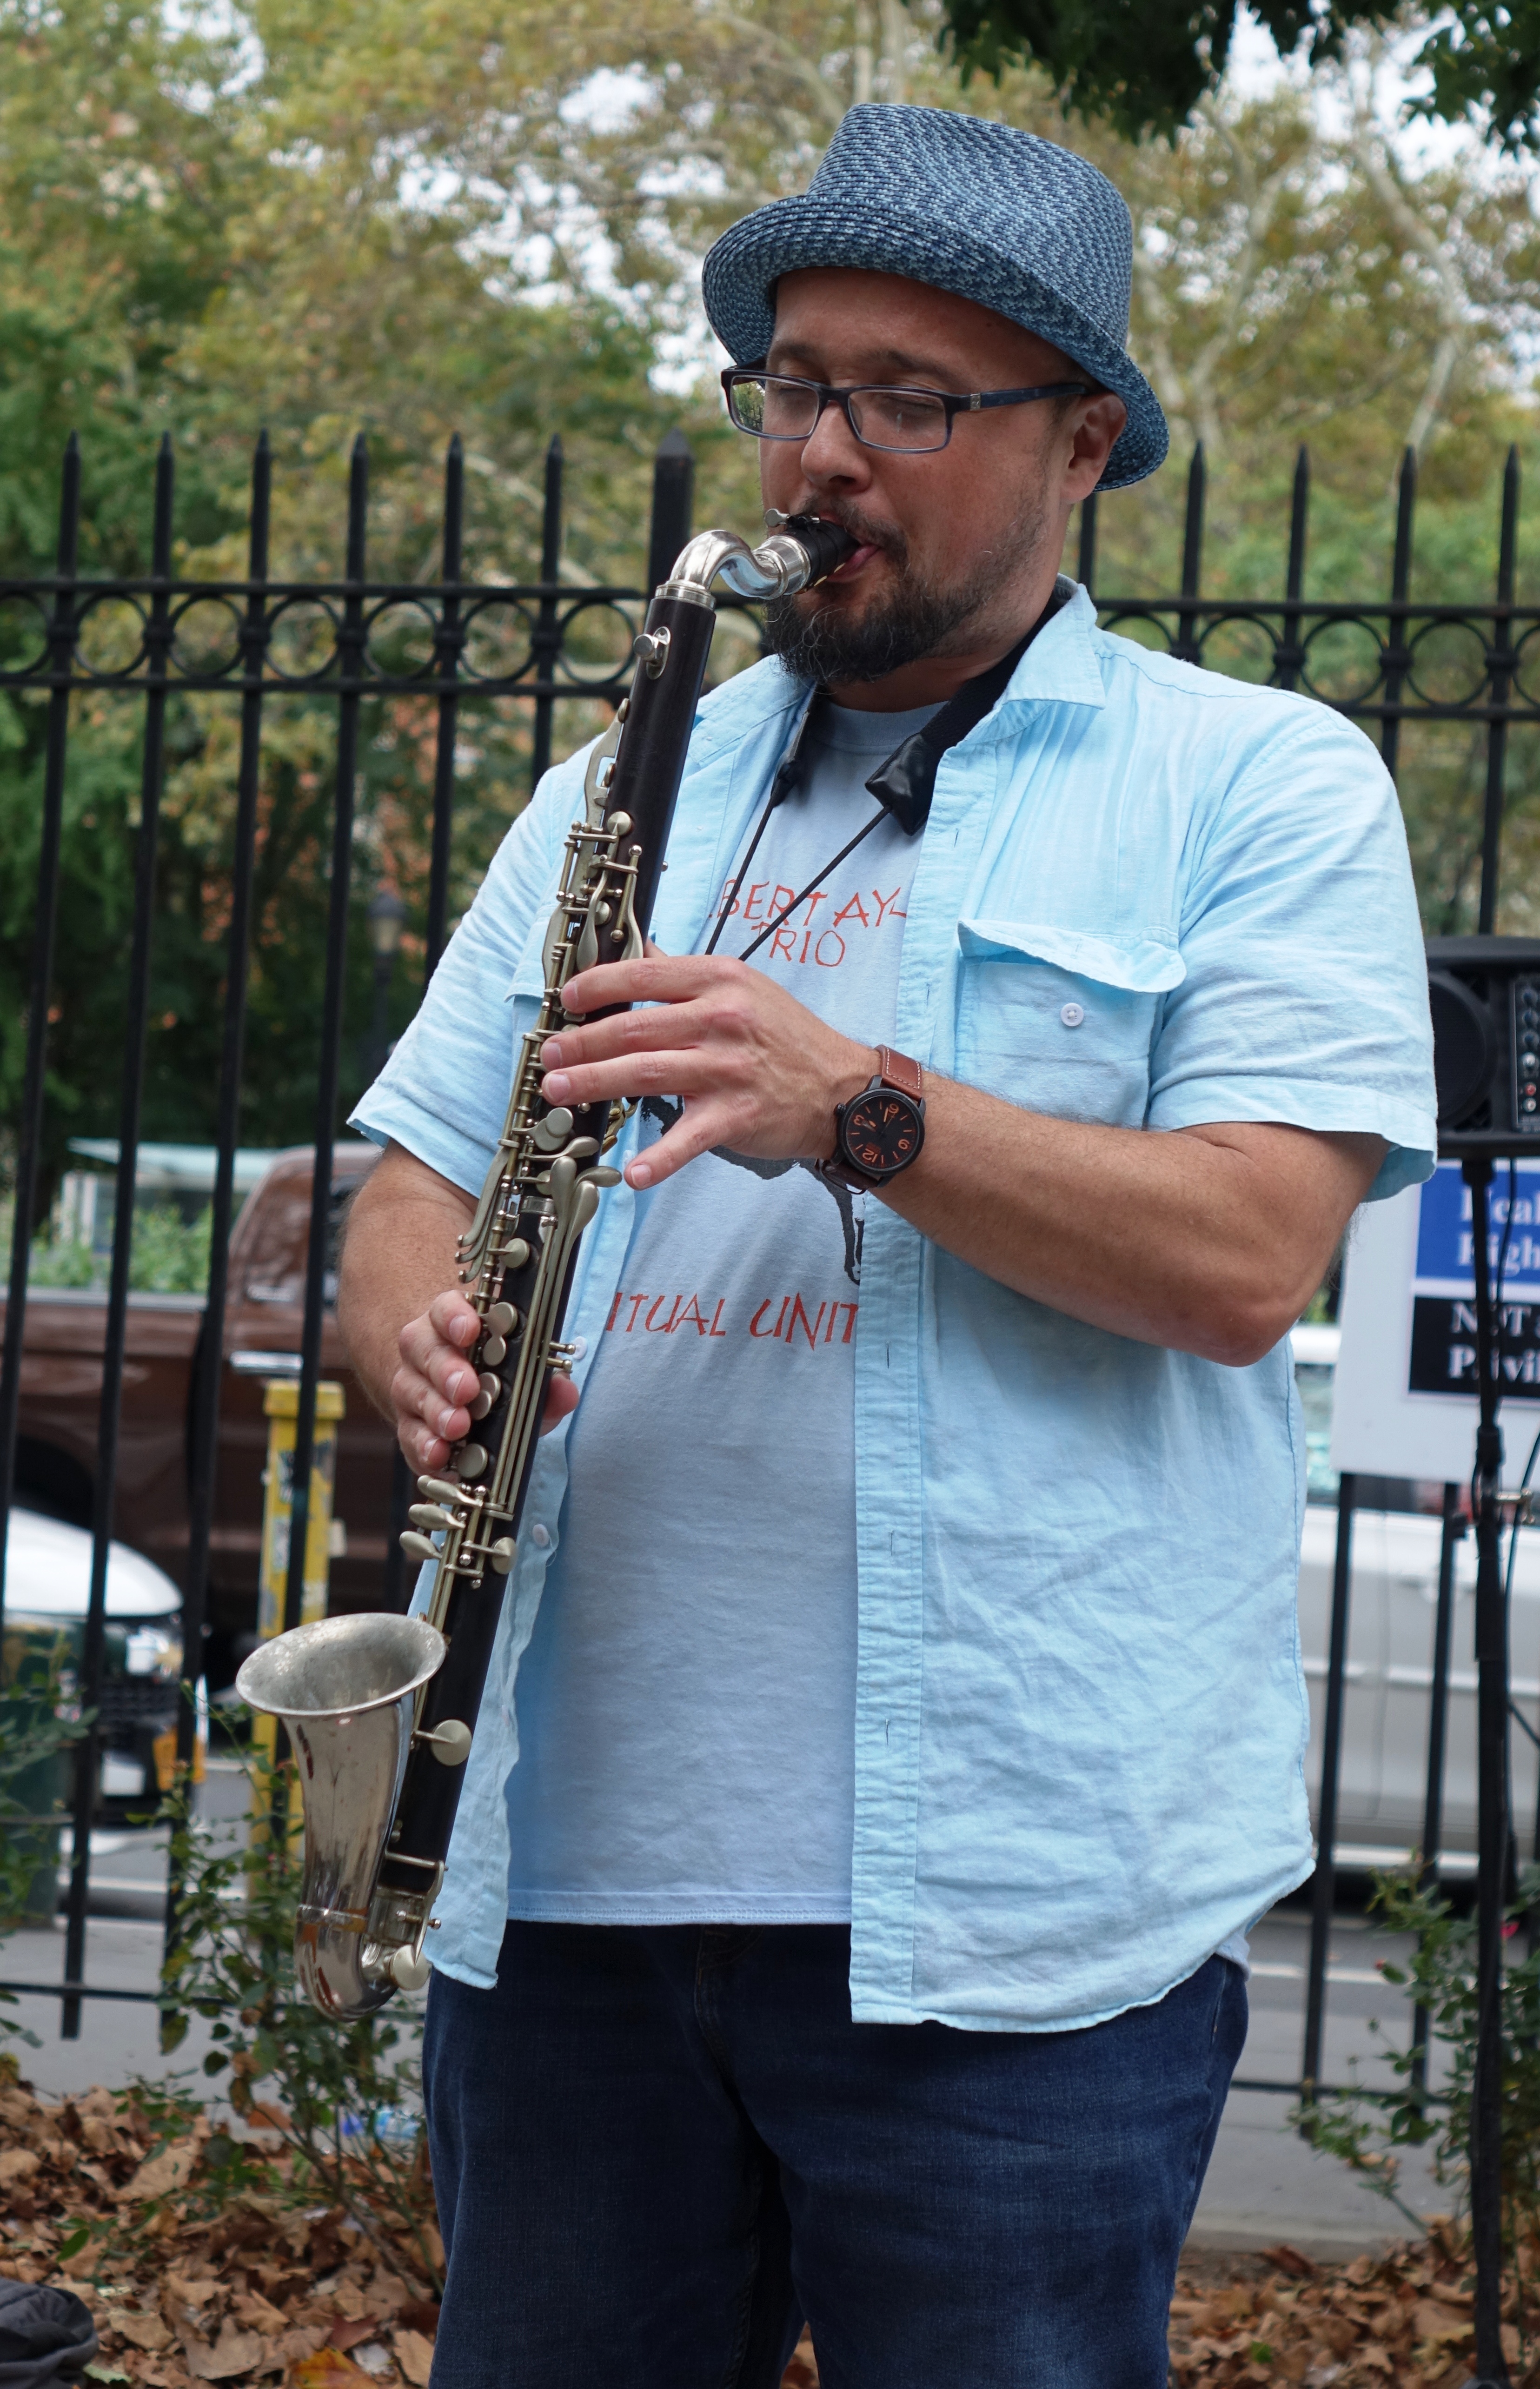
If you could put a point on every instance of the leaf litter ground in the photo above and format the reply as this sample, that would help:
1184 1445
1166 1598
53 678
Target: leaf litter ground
193 2275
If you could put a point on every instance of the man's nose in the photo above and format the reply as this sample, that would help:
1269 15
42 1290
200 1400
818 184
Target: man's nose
832 453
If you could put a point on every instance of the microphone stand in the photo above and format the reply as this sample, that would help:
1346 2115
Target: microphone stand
1492 1836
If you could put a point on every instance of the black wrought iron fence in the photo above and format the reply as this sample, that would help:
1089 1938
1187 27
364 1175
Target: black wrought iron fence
1385 661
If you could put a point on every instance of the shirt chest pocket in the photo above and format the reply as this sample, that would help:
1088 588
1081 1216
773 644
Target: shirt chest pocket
1058 1021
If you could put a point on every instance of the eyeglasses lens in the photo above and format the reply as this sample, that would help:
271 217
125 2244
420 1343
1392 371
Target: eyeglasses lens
773 408
899 418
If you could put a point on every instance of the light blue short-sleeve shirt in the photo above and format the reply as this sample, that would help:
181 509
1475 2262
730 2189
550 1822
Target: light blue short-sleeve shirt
1147 897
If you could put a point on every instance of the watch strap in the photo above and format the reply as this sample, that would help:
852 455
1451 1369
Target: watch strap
902 1072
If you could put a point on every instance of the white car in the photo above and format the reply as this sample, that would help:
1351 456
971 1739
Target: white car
1392 1606
48 1591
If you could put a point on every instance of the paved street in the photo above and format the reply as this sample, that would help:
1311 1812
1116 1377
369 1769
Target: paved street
1264 2184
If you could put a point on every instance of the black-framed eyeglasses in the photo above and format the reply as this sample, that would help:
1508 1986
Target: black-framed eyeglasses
881 415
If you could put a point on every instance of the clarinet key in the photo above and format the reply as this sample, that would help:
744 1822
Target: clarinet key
494 1351
428 1515
471 1462
502 1554
502 1319
417 1547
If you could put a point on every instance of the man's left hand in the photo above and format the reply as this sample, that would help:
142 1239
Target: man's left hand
757 1072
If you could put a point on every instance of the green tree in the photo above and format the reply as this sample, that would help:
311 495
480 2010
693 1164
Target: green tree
1147 67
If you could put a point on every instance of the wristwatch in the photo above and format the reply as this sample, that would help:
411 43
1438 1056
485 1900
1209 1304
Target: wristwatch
880 1131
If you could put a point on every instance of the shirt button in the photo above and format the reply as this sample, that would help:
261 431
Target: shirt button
540 1537
580 1346
1073 1015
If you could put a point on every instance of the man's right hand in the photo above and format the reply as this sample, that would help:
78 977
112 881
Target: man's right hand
435 1383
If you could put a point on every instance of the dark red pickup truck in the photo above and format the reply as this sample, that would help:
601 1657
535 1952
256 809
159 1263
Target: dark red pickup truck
61 1381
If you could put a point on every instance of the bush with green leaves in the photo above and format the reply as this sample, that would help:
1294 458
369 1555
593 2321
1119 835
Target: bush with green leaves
346 2097
35 1725
1370 2130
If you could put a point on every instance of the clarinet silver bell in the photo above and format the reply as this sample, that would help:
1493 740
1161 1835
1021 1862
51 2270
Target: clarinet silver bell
346 1689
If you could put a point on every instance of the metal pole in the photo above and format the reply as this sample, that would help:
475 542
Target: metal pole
1397 657
1487 2102
447 648
546 643
61 651
209 1364
1501 663
1324 1885
1438 1719
1289 655
674 504
158 641
1185 648
351 659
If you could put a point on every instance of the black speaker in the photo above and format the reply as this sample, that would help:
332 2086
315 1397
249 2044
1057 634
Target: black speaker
1484 993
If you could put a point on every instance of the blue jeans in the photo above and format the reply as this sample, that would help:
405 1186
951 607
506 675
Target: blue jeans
656 2149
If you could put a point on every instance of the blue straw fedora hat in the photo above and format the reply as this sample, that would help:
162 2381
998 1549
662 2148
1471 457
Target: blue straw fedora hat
983 209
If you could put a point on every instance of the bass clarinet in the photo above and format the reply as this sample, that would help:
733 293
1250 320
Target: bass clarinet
380 1709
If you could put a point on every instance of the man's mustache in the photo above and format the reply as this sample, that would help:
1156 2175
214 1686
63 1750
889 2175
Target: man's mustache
867 530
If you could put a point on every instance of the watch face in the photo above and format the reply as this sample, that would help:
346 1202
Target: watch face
881 1133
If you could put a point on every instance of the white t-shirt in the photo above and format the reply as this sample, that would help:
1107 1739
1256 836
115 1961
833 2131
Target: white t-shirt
686 1708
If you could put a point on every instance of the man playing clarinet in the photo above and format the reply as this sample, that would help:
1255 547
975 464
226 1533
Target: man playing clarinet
897 1720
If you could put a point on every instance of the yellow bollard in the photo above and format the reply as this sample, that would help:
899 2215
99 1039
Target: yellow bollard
281 1402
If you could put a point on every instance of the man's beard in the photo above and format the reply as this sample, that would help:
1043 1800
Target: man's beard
916 619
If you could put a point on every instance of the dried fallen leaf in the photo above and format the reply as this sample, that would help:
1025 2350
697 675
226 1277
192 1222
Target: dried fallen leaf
414 2355
1291 2260
349 2334
16 2166
1432 2320
327 2368
145 2331
161 2175
259 2314
234 2353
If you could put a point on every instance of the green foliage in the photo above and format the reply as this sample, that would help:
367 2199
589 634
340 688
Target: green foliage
169 1254
1368 2131
36 1724
1146 66
341 2092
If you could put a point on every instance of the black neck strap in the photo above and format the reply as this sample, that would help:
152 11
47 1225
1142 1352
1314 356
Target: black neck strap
905 784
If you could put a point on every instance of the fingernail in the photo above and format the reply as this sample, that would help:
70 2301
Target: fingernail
638 1174
444 1418
554 1087
551 1050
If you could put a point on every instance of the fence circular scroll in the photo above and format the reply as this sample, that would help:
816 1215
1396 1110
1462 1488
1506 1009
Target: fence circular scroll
1526 674
301 639
1448 664
1242 647
109 636
401 638
23 633
499 635
206 638
597 637
1343 661
1145 630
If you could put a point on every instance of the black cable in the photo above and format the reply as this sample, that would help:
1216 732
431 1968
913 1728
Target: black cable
833 864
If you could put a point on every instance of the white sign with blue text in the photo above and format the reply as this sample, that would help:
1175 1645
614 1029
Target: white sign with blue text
1405 1400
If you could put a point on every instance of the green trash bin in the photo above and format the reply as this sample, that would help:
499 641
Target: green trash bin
35 1664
